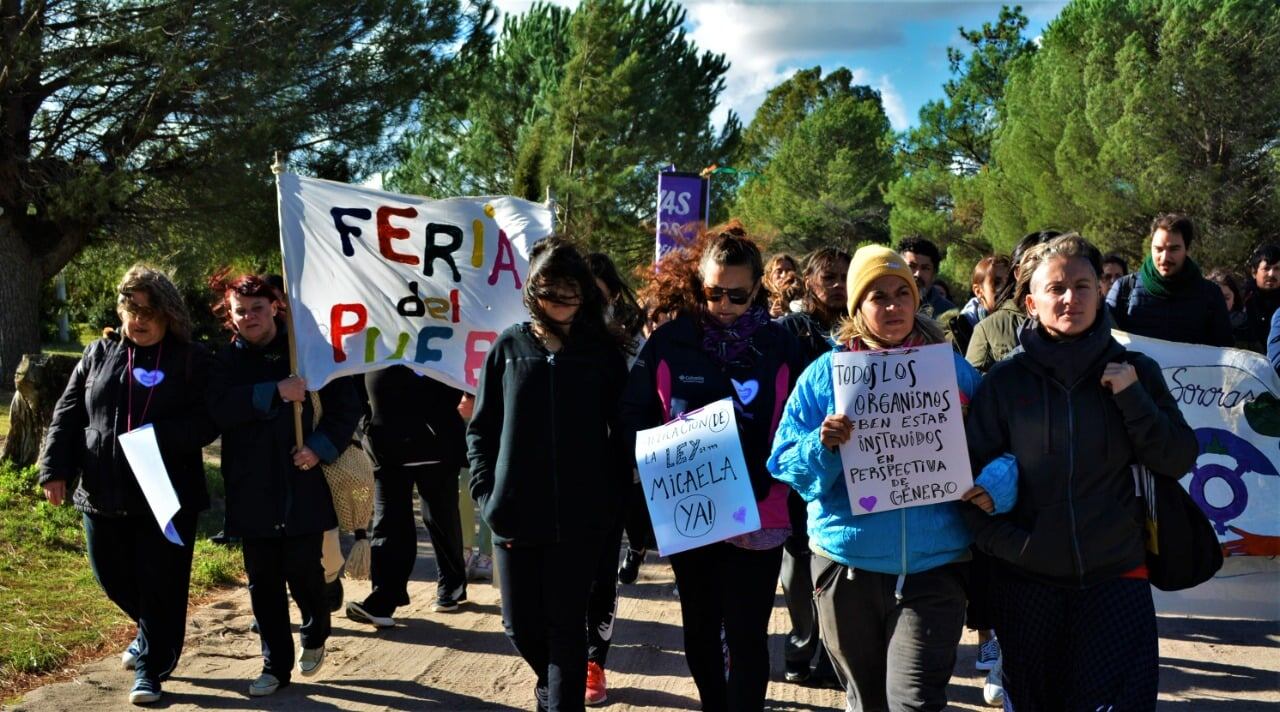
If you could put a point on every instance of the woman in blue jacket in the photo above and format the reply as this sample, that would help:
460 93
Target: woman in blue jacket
889 585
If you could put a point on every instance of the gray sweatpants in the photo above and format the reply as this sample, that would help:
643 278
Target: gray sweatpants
891 656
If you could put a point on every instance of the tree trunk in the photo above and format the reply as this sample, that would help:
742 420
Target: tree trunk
21 275
40 380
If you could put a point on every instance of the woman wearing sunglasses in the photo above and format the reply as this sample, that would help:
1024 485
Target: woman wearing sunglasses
723 344
547 469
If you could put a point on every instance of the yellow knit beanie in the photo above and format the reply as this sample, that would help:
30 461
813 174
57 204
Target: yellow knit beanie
871 263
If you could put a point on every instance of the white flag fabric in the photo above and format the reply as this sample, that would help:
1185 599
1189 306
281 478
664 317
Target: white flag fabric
378 278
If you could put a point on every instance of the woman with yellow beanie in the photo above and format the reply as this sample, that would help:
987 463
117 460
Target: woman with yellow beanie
889 585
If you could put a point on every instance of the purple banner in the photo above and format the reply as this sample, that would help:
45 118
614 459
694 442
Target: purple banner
682 209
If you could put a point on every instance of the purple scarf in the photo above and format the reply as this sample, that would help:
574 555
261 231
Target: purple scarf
733 345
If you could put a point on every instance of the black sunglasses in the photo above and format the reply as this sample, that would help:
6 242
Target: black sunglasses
737 296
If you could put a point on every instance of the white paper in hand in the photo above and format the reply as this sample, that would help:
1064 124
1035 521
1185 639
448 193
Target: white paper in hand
143 453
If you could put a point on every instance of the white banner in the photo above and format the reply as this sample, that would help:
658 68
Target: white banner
908 447
1231 398
695 479
377 278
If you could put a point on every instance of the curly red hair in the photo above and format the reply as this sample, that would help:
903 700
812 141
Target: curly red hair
673 284
245 285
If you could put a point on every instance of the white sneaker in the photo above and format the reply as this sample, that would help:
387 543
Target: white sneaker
310 661
144 692
993 689
266 684
129 658
358 613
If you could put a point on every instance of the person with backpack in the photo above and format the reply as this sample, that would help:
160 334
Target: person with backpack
547 466
278 502
146 374
1072 602
723 345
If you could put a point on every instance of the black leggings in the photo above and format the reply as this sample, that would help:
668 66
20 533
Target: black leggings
724 586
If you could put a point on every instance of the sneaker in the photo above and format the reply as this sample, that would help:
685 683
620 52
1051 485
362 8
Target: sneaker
541 698
333 594
266 684
357 611
993 688
988 654
796 672
144 692
448 602
480 567
597 694
310 661
630 569
253 626
129 658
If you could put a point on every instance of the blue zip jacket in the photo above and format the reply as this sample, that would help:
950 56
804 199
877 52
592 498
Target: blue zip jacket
905 541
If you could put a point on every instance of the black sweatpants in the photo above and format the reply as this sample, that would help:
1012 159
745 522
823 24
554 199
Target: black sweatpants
891 655
722 585
1077 649
147 576
635 519
272 563
602 605
544 604
803 650
393 541
979 615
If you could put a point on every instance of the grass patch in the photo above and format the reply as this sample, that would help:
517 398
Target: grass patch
81 335
54 607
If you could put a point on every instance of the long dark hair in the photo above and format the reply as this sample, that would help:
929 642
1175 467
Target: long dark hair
555 261
627 314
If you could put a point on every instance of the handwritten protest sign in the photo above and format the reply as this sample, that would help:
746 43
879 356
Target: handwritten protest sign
695 479
908 447
1231 398
377 278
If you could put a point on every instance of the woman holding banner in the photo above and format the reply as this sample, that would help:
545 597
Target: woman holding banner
1072 604
723 345
547 469
150 374
889 585
278 502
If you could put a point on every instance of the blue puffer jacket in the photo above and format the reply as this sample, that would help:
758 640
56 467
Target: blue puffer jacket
905 541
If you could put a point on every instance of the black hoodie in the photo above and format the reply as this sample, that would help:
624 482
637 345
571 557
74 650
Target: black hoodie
1076 522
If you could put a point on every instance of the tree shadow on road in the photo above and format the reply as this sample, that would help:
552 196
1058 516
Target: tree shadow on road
1260 634
331 695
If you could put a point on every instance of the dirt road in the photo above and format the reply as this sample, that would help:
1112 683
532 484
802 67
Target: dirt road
462 661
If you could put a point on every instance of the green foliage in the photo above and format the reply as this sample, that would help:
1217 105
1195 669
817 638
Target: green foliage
943 159
53 604
591 103
1134 108
824 147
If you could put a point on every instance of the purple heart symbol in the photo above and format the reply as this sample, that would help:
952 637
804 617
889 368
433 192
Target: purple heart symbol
867 503
741 515
148 378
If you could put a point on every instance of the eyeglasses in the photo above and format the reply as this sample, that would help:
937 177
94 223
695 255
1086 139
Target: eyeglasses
138 311
737 296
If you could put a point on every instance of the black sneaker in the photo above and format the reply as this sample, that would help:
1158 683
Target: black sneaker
333 594
630 569
448 602
796 672
144 691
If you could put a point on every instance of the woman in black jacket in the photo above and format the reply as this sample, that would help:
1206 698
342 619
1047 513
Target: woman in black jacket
147 374
546 470
1072 604
278 502
724 345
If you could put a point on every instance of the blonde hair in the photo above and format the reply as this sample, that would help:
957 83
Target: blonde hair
855 327
162 294
1068 246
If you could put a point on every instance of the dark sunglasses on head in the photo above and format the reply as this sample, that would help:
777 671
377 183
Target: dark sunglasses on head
736 296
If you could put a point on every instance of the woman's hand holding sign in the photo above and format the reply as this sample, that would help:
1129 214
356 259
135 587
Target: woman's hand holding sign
978 497
835 431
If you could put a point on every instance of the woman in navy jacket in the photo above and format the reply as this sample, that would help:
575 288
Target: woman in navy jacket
278 502
724 345
546 470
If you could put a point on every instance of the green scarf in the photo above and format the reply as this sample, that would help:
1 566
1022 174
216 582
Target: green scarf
1165 287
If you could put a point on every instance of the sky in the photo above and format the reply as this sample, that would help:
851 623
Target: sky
898 48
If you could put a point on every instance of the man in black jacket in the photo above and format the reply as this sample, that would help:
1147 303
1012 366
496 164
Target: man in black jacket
416 439
1262 294
1168 298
